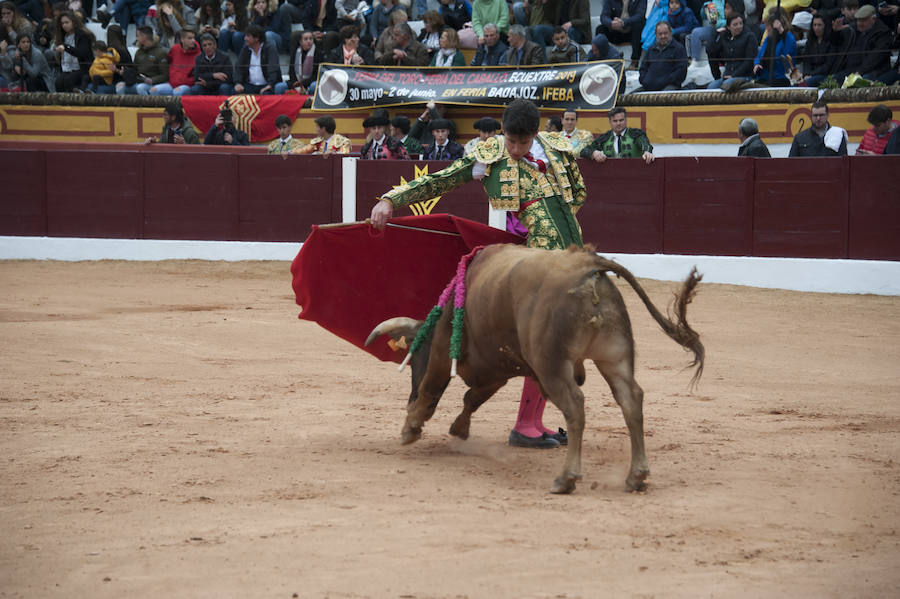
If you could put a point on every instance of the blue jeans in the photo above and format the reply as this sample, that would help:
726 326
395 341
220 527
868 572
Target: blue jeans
519 14
231 40
814 80
542 35
141 89
223 89
576 36
250 88
718 83
275 39
164 89
102 89
698 36
890 77
124 16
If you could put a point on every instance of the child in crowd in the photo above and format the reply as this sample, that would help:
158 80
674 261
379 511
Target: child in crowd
682 20
104 68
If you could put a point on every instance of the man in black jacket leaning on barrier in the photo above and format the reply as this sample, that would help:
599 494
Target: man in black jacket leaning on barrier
810 142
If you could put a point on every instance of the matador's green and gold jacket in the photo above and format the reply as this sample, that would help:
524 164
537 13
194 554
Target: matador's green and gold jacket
551 199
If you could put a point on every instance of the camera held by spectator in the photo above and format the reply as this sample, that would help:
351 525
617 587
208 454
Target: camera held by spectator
223 132
227 117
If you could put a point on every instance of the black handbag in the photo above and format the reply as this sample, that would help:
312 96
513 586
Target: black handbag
129 76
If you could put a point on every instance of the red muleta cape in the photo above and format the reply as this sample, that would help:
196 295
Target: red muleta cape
349 279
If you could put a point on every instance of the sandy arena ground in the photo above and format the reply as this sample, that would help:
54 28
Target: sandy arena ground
171 429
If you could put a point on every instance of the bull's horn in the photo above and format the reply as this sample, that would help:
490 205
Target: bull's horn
395 327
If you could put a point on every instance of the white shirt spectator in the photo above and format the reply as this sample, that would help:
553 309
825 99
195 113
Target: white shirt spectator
256 73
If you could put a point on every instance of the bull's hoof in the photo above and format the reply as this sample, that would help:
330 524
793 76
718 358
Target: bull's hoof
564 484
460 430
411 436
636 481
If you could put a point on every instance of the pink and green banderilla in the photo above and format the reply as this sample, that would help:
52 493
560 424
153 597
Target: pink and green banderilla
456 288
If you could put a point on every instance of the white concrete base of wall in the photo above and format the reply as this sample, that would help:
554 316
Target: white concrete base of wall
800 274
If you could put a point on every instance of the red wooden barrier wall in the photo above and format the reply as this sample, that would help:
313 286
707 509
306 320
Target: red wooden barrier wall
708 206
159 192
377 177
823 208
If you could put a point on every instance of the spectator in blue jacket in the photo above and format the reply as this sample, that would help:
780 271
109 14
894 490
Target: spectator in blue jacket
775 60
666 63
681 19
622 21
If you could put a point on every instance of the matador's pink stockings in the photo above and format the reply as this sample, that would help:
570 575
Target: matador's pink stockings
531 410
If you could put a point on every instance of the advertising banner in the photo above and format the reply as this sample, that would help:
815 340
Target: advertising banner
583 86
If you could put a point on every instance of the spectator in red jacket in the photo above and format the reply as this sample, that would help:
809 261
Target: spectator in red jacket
875 139
182 58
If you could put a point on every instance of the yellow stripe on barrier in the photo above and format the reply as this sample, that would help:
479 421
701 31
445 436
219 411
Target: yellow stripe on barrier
778 123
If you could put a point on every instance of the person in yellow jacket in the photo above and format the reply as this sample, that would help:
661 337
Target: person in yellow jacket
286 143
326 140
104 68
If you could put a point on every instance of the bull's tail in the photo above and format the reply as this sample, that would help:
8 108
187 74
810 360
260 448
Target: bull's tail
676 326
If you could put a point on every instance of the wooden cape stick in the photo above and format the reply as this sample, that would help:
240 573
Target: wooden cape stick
396 226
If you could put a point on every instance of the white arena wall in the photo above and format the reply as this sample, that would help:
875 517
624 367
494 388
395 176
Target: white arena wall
798 274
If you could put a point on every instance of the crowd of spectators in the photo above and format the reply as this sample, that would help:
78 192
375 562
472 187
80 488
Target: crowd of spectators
225 46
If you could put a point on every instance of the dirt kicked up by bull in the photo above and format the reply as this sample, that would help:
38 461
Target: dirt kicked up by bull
541 314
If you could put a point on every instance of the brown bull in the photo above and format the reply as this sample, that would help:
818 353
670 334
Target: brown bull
542 313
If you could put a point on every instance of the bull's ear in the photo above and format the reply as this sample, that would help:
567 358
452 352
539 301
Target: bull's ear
398 344
400 328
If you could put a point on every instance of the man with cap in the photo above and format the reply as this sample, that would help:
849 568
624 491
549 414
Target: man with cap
400 130
869 54
380 146
487 128
580 138
443 147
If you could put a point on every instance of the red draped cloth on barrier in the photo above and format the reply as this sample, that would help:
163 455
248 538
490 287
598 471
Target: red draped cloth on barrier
255 115
349 279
